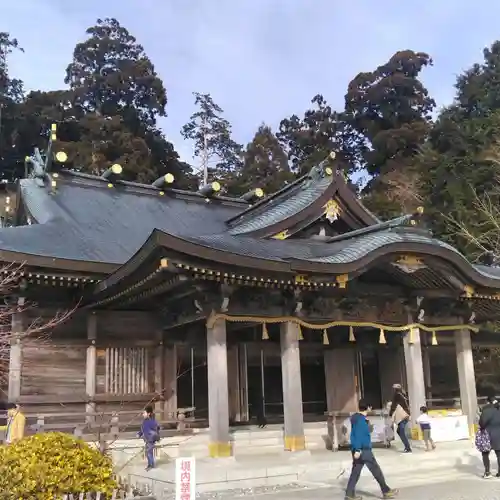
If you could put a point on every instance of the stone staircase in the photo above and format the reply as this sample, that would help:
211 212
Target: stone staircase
247 441
252 440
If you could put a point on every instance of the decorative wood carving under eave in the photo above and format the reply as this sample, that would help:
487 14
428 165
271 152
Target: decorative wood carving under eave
355 308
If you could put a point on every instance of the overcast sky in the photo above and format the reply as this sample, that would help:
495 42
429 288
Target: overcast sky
261 60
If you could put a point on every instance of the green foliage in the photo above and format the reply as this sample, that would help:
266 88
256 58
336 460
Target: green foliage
390 111
265 165
460 166
309 140
11 94
52 464
109 113
219 155
111 74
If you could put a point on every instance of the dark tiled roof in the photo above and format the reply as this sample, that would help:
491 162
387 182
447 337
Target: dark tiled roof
87 221
90 222
283 205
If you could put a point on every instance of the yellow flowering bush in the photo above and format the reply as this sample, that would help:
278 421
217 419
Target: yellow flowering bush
46 465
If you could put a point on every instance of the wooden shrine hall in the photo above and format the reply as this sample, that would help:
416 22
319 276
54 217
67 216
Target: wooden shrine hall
287 305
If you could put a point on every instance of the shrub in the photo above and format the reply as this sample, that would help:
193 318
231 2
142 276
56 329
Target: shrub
46 465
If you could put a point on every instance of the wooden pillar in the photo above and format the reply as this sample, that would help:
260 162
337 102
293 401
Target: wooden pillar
426 359
340 379
170 382
414 374
91 368
292 387
15 362
218 404
466 376
243 386
233 384
159 375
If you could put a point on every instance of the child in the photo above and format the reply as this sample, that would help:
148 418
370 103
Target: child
150 432
425 425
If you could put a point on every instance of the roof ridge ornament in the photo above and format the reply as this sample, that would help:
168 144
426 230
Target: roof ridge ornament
112 174
41 163
209 190
324 169
164 181
253 195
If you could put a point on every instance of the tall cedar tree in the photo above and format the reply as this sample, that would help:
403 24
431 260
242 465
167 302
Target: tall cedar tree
456 166
214 147
390 111
109 113
11 94
265 165
309 140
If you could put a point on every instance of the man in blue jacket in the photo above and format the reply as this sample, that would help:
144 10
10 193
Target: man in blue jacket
362 454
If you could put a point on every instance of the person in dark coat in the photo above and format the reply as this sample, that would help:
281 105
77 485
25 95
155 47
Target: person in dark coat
400 412
489 421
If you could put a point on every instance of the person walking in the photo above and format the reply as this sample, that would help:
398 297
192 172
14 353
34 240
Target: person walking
400 413
362 454
425 426
489 423
150 433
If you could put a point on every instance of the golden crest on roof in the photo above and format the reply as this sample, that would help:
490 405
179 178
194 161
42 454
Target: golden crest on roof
283 235
332 210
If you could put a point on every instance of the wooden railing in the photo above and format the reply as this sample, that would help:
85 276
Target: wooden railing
108 425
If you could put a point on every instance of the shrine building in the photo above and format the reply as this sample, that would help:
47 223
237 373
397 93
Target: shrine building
290 305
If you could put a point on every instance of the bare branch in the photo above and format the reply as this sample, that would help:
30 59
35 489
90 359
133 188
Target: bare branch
38 330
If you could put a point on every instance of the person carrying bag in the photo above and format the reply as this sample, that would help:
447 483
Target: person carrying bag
400 413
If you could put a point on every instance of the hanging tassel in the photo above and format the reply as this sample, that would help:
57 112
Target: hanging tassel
325 337
411 338
434 340
381 339
301 337
352 338
265 335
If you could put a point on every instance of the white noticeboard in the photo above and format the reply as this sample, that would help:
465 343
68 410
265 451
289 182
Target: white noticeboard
185 478
449 428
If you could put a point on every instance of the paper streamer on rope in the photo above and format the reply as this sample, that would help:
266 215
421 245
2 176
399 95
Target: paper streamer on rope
301 337
352 338
434 340
265 335
325 337
381 339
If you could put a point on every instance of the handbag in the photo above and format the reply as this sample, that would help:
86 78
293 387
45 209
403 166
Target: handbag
399 415
482 441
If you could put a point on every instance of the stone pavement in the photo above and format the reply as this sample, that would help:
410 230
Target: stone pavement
455 485
446 490
320 473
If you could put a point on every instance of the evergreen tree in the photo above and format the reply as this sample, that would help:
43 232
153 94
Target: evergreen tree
459 168
11 94
309 140
389 109
218 154
265 165
109 113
